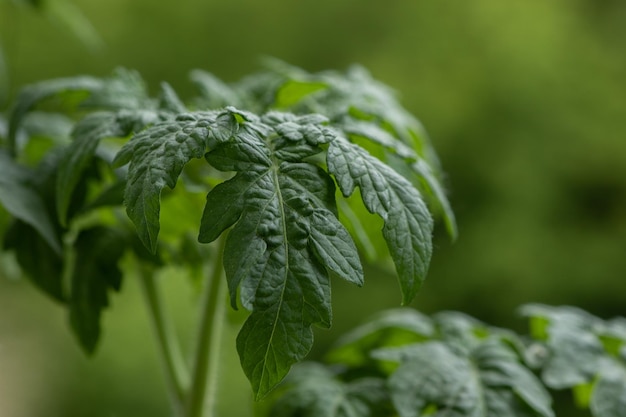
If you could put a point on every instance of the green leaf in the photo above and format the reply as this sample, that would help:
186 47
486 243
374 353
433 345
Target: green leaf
169 101
31 95
387 329
293 91
214 92
416 165
98 250
87 135
21 199
312 390
489 381
408 224
609 394
285 238
576 351
41 264
157 156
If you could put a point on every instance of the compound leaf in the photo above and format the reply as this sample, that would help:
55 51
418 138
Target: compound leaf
408 224
285 237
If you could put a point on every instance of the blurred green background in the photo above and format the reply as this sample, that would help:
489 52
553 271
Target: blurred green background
525 101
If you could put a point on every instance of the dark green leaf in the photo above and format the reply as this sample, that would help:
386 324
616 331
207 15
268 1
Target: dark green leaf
96 272
41 264
87 135
22 200
408 224
157 156
285 238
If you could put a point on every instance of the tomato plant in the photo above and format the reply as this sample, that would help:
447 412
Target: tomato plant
269 186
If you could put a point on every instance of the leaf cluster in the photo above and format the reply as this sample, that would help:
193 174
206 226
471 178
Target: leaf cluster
403 363
272 162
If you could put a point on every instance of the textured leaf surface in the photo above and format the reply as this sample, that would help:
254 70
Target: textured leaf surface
285 238
87 135
98 251
408 224
157 156
314 391
489 382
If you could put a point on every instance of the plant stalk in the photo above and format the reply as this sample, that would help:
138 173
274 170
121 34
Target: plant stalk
176 374
201 400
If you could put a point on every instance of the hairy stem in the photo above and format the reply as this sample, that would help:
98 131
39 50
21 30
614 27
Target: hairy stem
176 373
201 400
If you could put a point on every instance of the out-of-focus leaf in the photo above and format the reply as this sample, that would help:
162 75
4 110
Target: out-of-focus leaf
312 390
488 381
22 200
98 250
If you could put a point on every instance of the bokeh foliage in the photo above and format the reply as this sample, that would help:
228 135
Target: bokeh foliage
524 100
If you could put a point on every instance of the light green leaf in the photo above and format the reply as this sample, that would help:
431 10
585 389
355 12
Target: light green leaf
408 224
387 329
293 91
609 393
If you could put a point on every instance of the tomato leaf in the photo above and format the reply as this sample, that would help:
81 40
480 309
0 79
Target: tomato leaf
408 224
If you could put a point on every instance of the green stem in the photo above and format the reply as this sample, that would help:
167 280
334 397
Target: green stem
201 400
176 374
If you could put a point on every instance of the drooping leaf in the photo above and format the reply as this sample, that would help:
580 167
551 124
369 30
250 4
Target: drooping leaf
312 390
87 135
21 199
285 238
157 156
408 224
41 264
488 381
95 273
